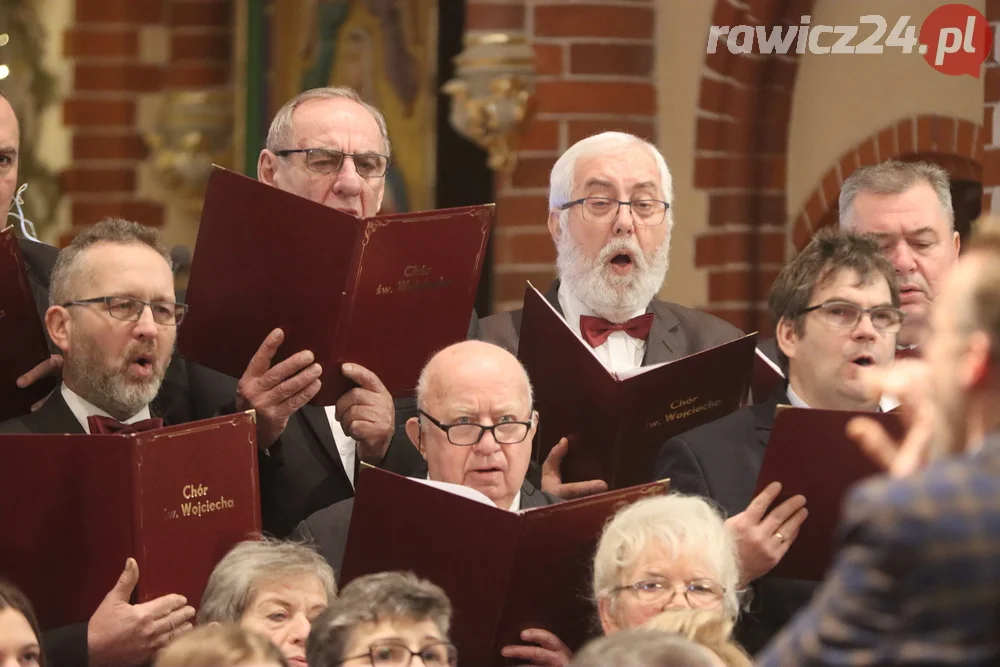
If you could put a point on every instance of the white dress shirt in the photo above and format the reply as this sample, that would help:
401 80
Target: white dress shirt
347 446
885 405
620 352
82 409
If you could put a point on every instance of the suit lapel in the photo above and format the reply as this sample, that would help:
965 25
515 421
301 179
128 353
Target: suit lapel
552 296
532 497
315 417
764 414
662 344
53 417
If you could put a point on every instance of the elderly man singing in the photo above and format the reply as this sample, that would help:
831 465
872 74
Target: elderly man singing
474 428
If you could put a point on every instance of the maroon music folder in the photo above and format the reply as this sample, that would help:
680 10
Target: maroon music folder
383 292
616 425
23 343
77 506
503 571
810 454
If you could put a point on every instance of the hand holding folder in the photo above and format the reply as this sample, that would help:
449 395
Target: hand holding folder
616 424
383 293
810 454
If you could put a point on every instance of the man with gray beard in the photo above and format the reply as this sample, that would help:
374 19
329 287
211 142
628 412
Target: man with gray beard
610 217
113 315
115 350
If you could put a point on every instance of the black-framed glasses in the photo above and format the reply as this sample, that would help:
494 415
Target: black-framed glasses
847 315
394 654
466 435
699 593
129 309
601 210
330 161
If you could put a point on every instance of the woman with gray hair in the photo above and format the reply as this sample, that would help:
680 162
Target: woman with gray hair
384 620
272 587
658 553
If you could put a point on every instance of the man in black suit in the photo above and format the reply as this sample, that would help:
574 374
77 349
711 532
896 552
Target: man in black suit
115 356
837 309
474 428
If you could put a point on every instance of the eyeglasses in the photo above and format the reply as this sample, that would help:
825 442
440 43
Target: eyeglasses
127 309
699 593
465 435
391 654
847 315
601 210
330 161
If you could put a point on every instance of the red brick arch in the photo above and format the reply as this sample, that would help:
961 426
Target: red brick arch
741 155
952 143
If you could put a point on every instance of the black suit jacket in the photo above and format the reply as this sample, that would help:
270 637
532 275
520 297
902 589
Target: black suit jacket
328 528
721 460
677 331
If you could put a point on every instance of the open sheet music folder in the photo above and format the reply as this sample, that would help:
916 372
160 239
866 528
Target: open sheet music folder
617 423
503 571
77 506
384 292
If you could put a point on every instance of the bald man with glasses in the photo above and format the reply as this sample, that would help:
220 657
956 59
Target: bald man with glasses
474 428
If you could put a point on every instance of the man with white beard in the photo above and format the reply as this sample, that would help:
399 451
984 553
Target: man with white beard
610 217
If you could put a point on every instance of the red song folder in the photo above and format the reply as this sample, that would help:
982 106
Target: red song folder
385 292
22 339
77 506
810 454
503 571
616 425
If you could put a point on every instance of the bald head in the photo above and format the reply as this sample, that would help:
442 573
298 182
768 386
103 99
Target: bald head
10 143
466 385
470 357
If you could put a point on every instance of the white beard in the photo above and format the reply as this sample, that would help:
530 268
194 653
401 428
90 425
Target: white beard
592 280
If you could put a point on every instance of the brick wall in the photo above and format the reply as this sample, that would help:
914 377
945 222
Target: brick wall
740 162
124 52
595 62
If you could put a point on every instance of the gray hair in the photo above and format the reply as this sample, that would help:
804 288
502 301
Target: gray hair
374 598
66 271
682 525
424 379
234 582
893 177
643 648
562 179
279 136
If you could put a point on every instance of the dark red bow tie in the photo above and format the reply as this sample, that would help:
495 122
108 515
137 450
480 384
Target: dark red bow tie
595 330
108 426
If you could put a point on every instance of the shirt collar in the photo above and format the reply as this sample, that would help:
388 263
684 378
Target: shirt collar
82 408
886 404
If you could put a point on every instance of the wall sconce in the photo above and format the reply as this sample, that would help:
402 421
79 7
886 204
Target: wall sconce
492 94
194 130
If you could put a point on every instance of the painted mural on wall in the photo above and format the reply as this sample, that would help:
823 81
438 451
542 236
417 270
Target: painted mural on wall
384 49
